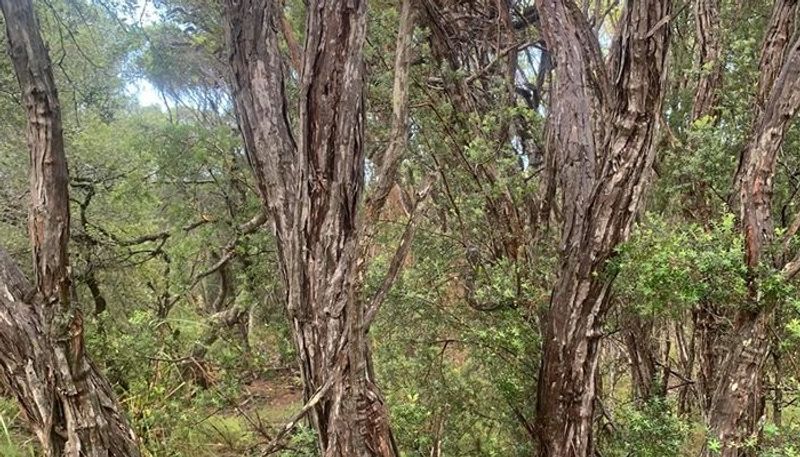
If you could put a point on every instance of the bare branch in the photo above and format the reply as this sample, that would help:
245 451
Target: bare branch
504 52
790 233
399 258
390 161
229 251
792 267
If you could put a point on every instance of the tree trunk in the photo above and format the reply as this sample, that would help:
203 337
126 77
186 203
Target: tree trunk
72 412
738 399
709 58
737 405
70 405
603 128
312 190
687 354
710 328
643 350
777 40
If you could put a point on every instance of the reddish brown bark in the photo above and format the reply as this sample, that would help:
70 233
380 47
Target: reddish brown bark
602 123
737 403
71 407
716 337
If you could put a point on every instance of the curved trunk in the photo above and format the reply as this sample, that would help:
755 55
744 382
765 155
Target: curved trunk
69 404
313 190
602 129
738 402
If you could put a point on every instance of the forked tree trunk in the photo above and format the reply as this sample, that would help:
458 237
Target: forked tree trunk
70 405
71 409
602 124
737 404
738 401
313 189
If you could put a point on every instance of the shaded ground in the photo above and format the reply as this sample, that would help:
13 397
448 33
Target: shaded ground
274 400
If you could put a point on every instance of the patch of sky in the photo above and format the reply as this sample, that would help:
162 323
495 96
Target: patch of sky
142 14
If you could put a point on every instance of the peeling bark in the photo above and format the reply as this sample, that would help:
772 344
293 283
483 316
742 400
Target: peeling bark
709 58
69 404
312 188
602 124
72 414
738 399
777 40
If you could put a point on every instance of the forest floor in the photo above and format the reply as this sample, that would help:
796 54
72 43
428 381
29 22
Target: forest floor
274 400
264 404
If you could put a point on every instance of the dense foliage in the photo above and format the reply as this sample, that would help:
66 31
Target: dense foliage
184 304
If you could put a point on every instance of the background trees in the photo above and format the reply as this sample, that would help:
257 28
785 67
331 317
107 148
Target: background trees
635 270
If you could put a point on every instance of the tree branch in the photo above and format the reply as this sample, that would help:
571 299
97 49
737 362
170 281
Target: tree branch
390 161
399 258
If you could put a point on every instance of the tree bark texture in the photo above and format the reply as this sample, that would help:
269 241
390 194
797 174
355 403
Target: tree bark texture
71 407
711 326
601 125
641 341
312 188
737 404
709 59
777 40
73 413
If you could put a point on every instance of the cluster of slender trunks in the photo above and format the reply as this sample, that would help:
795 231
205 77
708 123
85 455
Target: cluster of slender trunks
603 119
